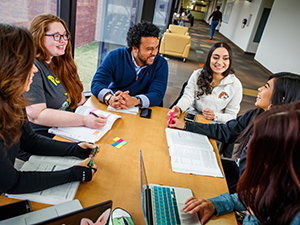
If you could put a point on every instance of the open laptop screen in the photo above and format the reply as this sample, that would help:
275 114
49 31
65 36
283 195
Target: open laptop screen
96 214
144 185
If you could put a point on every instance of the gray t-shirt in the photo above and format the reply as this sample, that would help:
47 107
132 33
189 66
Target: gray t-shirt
46 88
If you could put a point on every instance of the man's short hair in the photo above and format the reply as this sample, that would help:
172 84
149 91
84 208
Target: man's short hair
143 29
218 7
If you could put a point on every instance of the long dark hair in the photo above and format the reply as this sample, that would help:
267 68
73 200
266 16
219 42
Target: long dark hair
270 185
286 90
206 74
16 62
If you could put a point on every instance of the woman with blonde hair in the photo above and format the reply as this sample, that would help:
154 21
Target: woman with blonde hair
16 72
56 88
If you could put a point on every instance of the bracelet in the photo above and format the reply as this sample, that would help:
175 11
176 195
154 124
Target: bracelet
140 102
107 98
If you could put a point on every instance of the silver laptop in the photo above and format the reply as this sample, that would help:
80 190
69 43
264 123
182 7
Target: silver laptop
163 204
44 214
95 214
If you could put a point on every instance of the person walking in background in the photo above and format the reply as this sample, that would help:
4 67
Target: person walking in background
216 17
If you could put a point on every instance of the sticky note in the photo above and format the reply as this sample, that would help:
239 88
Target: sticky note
96 132
120 140
117 142
111 142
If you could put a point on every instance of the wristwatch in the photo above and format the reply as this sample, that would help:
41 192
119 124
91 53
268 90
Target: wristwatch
140 102
107 97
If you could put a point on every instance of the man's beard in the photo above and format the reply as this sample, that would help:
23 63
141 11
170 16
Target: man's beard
141 60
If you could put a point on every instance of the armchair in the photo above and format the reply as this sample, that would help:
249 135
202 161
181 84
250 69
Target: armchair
176 41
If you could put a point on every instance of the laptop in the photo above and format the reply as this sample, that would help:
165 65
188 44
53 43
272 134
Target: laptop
96 214
41 215
163 204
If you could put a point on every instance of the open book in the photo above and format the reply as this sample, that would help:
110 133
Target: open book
192 153
85 133
55 195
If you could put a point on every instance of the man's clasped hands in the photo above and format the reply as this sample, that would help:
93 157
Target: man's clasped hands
122 100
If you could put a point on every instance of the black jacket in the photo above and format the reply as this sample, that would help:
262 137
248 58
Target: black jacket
14 181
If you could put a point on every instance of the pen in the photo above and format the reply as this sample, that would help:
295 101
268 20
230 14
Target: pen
171 117
94 114
94 153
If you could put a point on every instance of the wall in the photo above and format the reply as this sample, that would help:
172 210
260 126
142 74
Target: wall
252 46
233 30
86 22
279 47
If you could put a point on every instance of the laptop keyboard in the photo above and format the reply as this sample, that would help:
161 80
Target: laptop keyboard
165 206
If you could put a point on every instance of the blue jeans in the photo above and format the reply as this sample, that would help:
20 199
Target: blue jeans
213 26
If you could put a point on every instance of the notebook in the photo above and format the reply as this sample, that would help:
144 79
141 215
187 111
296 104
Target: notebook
44 214
163 204
96 214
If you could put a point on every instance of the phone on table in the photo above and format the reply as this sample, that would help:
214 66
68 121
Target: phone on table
190 117
14 209
146 113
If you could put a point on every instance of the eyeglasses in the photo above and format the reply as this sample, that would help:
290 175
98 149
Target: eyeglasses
57 37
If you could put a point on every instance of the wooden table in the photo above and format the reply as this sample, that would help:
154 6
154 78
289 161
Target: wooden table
118 175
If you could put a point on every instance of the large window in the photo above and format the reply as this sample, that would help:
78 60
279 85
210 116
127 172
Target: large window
101 26
21 13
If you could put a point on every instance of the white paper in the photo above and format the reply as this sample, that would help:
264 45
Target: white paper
192 153
55 195
85 133
133 110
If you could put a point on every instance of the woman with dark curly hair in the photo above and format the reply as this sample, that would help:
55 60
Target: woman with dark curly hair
214 90
269 189
16 72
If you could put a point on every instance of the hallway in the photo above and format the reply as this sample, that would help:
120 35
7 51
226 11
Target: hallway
246 69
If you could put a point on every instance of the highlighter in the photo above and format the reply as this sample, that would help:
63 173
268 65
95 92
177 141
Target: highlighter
94 153
171 117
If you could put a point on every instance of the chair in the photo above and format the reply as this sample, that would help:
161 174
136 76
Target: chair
176 41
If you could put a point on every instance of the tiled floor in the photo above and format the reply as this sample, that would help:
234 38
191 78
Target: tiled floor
249 72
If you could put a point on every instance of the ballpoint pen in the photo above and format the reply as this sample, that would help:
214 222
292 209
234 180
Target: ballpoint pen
94 153
94 114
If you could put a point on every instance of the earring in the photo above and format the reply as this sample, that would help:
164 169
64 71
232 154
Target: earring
270 106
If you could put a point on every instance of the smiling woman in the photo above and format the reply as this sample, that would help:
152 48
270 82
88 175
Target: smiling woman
56 90
213 90
16 70
281 88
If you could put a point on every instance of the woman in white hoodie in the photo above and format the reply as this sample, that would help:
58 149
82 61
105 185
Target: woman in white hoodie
213 90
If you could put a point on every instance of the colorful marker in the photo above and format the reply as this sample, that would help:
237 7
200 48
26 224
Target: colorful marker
94 153
171 117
